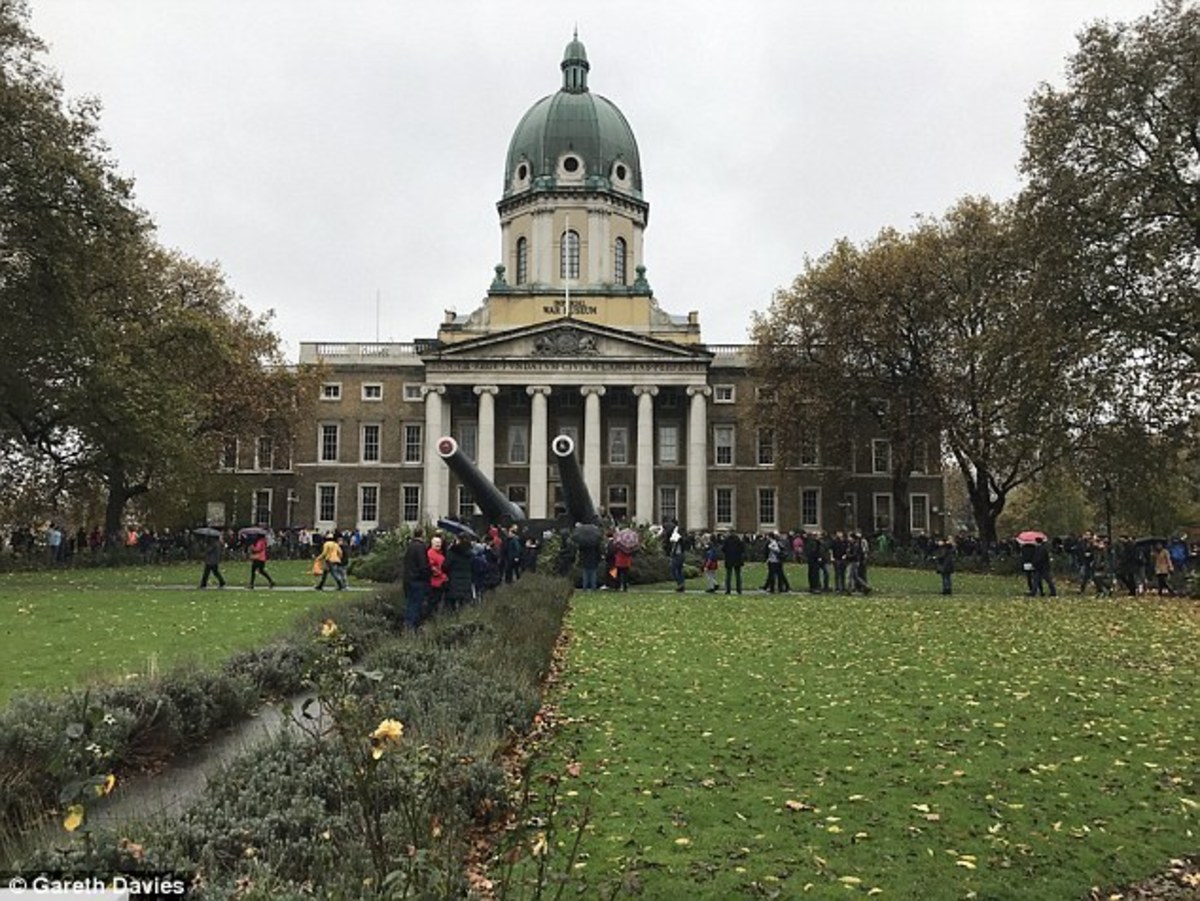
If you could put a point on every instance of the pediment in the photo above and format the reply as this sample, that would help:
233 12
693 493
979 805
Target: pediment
568 339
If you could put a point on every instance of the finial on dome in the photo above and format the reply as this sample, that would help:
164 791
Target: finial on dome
575 66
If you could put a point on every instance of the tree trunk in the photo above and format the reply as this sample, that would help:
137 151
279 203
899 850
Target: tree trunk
901 520
119 495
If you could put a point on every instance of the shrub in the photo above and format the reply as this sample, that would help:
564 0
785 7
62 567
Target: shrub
385 562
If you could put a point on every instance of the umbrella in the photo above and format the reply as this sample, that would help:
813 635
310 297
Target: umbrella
207 532
252 532
454 527
586 535
1152 541
627 540
1029 536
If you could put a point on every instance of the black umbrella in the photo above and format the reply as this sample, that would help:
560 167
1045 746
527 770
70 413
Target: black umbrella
586 535
252 532
207 532
454 527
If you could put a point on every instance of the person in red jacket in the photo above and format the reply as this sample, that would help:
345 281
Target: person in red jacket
258 560
437 573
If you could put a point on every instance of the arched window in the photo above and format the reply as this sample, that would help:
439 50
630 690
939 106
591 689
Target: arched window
619 262
569 262
522 261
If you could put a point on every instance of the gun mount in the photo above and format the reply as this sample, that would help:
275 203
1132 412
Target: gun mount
576 497
495 506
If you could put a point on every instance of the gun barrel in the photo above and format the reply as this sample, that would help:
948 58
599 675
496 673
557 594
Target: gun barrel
576 497
495 506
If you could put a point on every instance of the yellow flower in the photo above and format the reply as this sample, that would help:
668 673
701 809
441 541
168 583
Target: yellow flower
74 818
328 629
540 845
106 787
388 730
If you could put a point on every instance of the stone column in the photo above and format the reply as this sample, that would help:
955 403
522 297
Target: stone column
697 459
487 430
436 504
644 499
539 448
591 442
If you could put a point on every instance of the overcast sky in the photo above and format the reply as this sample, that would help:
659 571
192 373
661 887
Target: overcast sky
329 153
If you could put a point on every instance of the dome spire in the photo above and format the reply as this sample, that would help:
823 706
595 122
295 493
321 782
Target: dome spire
575 66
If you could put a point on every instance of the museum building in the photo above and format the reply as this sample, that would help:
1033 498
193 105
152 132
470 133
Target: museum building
569 340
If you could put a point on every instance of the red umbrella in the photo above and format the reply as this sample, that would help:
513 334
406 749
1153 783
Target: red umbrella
1029 536
628 540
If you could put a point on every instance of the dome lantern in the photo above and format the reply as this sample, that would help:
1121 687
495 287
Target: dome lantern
575 66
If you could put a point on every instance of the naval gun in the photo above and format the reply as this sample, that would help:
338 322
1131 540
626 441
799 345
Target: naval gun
576 498
488 498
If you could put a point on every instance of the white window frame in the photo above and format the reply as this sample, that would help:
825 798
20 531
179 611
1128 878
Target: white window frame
362 442
407 491
372 392
318 522
413 452
412 392
223 463
609 499
915 527
665 458
718 521
337 442
724 394
920 463
465 503
804 457
518 440
668 502
258 461
331 391
270 493
876 444
762 493
363 522
468 438
718 445
816 521
621 432
764 440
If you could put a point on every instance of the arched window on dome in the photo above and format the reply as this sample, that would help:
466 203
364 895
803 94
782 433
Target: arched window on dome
568 266
619 262
522 261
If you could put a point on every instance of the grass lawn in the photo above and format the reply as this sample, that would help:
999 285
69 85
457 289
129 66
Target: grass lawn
903 745
61 628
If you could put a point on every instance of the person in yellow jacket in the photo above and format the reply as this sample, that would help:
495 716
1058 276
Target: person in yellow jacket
331 562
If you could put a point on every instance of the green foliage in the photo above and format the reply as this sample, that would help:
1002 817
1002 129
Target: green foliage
385 562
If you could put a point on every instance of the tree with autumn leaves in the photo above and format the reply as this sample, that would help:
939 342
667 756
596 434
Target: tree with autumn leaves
124 364
1020 334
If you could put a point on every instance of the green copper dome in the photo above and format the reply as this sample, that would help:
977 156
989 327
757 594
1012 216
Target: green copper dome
573 138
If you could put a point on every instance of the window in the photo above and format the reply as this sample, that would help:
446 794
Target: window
723 445
331 391
412 442
518 444
668 503
372 391
849 507
920 457
668 445
809 452
618 445
466 503
522 260
810 508
723 394
410 503
262 507
569 260
370 443
468 439
766 508
881 456
412 392
766 447
619 261
368 505
723 507
329 443
883 512
618 502
264 453
519 495
229 453
326 504
765 394
918 513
